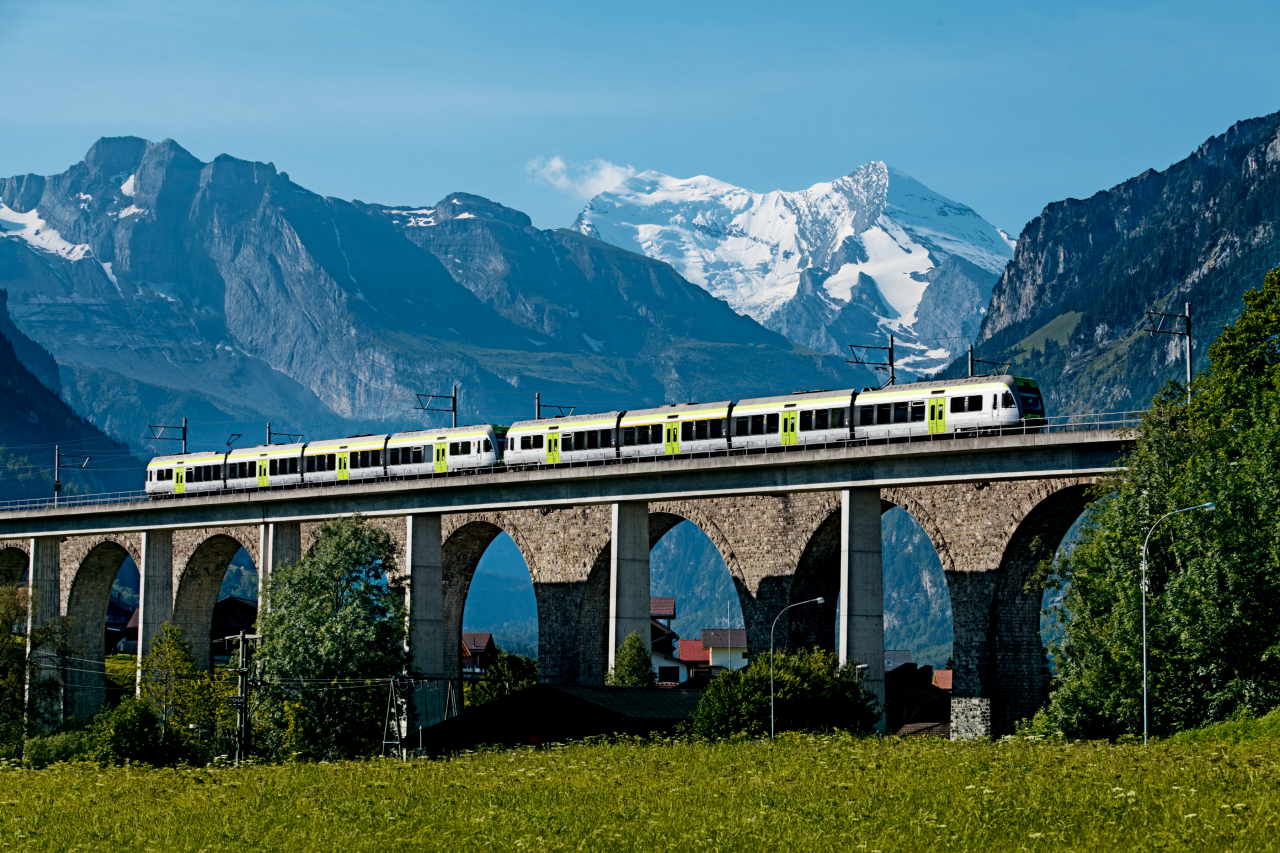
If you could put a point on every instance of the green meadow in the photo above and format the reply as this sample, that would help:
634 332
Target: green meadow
1213 791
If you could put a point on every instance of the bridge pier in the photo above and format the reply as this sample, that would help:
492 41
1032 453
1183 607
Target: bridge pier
43 605
155 593
281 545
861 614
628 575
424 562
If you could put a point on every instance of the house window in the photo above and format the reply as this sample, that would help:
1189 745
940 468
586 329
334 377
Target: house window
669 674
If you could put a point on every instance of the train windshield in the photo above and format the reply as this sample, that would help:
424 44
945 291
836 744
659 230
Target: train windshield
1031 403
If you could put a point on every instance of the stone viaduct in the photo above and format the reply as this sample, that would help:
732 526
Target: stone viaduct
992 511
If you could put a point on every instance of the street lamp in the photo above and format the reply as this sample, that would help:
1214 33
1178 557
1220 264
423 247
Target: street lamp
1207 506
818 600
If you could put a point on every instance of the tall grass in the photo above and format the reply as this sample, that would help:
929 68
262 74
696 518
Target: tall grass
802 793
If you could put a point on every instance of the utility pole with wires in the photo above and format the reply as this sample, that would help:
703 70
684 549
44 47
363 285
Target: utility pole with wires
241 700
538 406
393 728
427 401
160 436
1002 367
860 353
58 456
1156 327
272 436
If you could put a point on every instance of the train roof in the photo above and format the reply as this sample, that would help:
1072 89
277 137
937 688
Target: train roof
925 387
475 429
679 408
800 396
583 420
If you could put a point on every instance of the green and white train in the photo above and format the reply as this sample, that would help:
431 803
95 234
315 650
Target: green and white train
979 405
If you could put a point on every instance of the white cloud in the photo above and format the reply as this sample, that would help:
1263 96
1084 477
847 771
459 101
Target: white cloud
585 180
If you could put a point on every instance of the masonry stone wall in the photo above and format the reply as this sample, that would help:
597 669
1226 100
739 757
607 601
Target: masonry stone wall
15 556
779 549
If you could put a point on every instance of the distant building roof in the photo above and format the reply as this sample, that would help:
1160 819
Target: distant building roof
662 608
692 651
897 657
719 638
942 679
478 642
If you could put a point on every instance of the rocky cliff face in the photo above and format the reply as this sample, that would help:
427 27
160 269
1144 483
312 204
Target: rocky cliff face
166 287
1069 309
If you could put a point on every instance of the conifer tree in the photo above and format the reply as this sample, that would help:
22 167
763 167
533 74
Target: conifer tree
633 664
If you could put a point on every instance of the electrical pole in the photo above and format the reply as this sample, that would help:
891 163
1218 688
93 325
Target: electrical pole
1155 327
970 361
242 703
537 406
160 436
58 456
268 432
860 357
426 403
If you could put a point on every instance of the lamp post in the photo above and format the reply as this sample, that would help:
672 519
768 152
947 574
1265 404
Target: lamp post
1207 506
818 600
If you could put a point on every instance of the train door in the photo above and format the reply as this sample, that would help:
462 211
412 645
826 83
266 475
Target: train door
553 448
343 462
179 481
672 443
937 416
442 461
789 432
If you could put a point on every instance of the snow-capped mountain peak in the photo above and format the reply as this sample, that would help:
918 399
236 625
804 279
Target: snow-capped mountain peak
857 255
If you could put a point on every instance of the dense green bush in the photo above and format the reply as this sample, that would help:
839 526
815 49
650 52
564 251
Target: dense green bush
812 692
41 751
1214 577
508 674
632 665
132 732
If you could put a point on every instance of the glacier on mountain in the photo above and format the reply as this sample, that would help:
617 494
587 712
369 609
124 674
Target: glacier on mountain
855 257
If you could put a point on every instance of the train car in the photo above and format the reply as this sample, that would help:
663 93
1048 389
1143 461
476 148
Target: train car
550 441
810 417
264 467
412 454
193 473
342 460
675 429
978 405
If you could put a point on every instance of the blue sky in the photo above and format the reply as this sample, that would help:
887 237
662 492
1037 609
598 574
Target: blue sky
1003 107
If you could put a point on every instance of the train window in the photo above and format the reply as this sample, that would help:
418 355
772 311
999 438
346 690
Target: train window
629 436
644 434
526 442
593 439
331 462
884 413
866 415
454 448
537 442
416 456
311 464
488 446
837 418
717 428
901 412
757 424
566 441
580 440
917 411
806 421
1006 401
771 423
957 405
820 418
393 456
742 426
975 403
606 438
197 474
272 468
700 430
655 434
686 431
1032 403
364 459
375 458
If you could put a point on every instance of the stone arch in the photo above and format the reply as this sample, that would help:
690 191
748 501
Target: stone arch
199 580
1021 667
90 565
464 539
13 563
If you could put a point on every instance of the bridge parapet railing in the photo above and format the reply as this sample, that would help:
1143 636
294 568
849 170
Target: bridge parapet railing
1058 423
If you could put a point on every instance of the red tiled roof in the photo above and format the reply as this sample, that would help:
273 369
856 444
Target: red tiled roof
477 642
716 638
942 679
691 651
662 608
